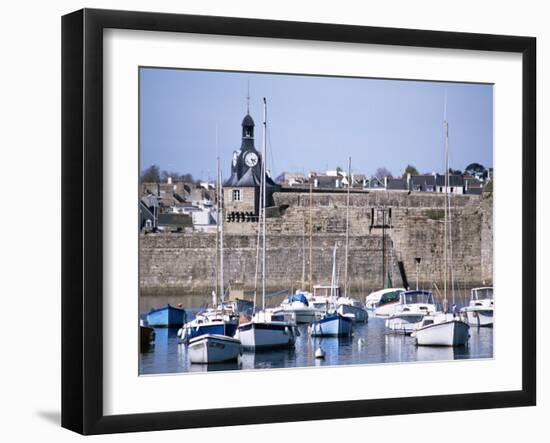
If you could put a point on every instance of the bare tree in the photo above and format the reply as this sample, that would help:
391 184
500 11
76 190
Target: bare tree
382 172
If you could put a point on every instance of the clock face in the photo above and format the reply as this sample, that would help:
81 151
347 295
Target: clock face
251 159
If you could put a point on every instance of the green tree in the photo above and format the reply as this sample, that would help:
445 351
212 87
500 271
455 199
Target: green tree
410 169
475 169
151 174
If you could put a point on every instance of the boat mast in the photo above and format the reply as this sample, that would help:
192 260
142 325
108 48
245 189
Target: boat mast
333 279
218 223
264 171
303 257
259 225
446 127
222 282
347 231
310 236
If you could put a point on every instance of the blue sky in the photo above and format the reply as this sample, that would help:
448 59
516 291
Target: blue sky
315 123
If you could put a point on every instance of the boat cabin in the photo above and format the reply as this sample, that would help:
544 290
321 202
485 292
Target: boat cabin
485 293
417 297
389 297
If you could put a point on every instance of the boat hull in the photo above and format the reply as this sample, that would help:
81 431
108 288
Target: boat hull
167 317
387 309
211 348
146 337
403 324
299 315
257 336
445 333
478 317
332 326
360 315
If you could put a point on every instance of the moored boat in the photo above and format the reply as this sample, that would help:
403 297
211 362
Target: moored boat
210 322
413 306
332 324
388 303
213 348
267 331
444 329
481 308
146 337
166 316
441 330
349 306
381 297
296 308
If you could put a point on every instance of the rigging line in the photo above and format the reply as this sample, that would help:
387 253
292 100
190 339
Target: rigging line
271 158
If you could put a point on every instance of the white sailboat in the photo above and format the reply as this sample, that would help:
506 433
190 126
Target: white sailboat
213 348
348 305
481 308
443 329
332 323
296 307
220 319
266 330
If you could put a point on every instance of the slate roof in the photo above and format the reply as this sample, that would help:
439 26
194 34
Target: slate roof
396 184
454 180
422 182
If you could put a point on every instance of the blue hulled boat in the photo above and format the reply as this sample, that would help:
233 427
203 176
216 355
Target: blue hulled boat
210 322
167 316
332 325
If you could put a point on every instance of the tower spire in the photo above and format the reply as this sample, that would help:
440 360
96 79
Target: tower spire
248 98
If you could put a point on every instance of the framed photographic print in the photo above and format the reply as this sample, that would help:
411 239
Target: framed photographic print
270 221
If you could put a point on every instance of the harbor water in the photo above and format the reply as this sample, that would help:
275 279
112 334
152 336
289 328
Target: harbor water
371 343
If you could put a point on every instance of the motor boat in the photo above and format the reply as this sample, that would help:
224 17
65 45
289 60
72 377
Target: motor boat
413 306
481 308
388 301
296 308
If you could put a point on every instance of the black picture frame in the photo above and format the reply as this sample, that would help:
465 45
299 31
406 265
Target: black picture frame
82 239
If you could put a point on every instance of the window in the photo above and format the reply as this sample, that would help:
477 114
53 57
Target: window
236 195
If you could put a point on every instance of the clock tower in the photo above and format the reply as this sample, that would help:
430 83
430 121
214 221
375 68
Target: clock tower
241 193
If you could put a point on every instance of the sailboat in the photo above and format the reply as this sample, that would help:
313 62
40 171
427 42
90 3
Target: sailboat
443 329
219 319
347 305
266 330
296 306
332 323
